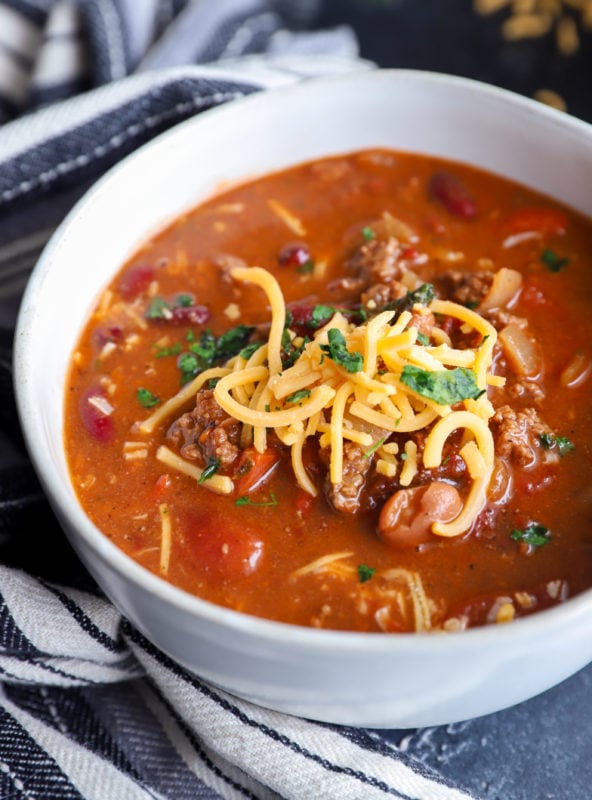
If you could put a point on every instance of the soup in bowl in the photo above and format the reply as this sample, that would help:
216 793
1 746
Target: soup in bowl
324 401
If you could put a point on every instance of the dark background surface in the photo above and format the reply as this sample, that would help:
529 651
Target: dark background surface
449 36
539 750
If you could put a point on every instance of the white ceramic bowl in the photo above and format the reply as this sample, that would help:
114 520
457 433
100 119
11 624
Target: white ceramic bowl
353 678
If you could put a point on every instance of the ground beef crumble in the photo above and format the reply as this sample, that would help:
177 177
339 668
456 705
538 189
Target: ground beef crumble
346 495
465 288
207 433
517 434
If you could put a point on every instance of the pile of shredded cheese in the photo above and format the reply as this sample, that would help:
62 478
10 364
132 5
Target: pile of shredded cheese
364 406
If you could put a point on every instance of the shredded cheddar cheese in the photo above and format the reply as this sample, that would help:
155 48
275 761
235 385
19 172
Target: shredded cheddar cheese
350 380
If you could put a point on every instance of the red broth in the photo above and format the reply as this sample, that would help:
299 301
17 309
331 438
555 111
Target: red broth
256 550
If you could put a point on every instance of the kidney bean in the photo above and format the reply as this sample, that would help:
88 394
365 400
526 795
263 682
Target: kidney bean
107 333
190 315
295 254
98 424
451 192
135 280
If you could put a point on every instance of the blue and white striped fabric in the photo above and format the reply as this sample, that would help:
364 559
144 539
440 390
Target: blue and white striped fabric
91 709
88 707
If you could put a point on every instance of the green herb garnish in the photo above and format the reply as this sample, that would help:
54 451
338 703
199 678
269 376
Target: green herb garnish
188 364
233 341
552 261
365 572
423 339
471 304
534 534
210 470
208 350
248 351
146 398
296 397
173 350
184 300
337 350
423 295
290 353
320 315
444 387
562 443
246 501
368 233
306 268
158 309
204 349
370 452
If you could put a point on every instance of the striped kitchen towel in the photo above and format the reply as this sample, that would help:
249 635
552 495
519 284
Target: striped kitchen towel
88 707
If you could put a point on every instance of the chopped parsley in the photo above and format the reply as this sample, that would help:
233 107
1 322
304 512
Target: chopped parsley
320 315
471 304
368 233
370 452
189 367
423 339
423 295
564 445
290 352
552 261
337 350
296 397
246 501
248 351
173 350
233 341
184 300
445 387
158 308
146 398
210 470
207 350
365 572
306 268
534 534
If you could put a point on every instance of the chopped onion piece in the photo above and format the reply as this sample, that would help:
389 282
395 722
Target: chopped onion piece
101 404
577 370
520 350
506 284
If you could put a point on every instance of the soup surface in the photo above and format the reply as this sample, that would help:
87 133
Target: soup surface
353 395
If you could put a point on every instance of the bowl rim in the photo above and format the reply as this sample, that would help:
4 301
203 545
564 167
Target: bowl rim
63 496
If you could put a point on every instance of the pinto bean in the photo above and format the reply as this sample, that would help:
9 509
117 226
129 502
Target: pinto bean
407 516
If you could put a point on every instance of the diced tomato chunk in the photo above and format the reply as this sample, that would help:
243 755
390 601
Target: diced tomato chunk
254 468
541 220
161 487
93 407
221 548
136 280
